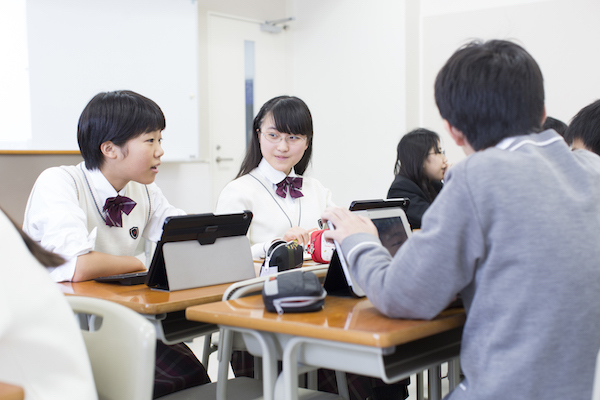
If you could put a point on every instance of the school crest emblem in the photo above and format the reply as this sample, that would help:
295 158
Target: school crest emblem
134 232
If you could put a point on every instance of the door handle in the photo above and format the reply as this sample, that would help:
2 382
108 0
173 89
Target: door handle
219 159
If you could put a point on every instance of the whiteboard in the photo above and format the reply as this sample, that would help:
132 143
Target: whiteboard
78 48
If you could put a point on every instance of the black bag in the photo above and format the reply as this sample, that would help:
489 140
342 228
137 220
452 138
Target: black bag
282 256
295 291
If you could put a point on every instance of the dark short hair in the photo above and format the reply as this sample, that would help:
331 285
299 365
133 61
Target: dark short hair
412 151
116 117
556 124
585 126
489 91
291 115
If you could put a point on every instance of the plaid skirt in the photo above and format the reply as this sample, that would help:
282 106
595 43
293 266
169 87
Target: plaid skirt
360 387
177 368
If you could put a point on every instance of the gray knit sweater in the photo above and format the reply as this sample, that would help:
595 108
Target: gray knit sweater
515 231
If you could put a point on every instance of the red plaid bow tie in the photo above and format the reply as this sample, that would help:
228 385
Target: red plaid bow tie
113 208
293 186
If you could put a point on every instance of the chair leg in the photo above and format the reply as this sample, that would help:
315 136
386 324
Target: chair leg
453 373
342 384
224 356
206 350
258 370
312 380
434 387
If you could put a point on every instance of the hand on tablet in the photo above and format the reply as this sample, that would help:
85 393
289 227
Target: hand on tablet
346 223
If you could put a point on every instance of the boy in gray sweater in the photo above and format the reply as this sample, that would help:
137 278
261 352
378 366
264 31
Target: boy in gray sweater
514 232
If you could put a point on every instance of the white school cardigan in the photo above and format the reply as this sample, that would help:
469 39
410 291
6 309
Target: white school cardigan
273 215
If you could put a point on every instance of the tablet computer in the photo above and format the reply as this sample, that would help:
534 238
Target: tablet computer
393 229
127 279
201 250
357 205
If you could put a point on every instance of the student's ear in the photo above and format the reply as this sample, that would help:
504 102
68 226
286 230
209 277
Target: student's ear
458 137
109 150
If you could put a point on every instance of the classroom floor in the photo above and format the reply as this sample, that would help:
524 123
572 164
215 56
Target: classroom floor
197 347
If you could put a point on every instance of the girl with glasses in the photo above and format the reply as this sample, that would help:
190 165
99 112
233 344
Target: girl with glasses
285 208
286 205
419 169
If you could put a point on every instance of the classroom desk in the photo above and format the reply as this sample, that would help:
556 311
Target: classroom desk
11 392
347 335
166 310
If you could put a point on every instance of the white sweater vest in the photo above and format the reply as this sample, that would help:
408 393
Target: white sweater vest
125 241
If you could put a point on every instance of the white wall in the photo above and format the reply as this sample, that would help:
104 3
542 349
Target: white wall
347 60
187 185
347 64
561 35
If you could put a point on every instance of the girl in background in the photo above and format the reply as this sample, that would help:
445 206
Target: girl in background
420 168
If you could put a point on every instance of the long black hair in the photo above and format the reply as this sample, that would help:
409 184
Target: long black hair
291 115
413 149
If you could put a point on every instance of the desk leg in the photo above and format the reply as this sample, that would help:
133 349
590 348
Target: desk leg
420 386
269 360
434 383
290 369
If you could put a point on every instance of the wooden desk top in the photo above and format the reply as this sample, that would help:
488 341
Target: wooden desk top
144 300
342 319
11 392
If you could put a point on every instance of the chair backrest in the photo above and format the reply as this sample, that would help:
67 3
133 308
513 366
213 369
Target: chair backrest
121 350
255 285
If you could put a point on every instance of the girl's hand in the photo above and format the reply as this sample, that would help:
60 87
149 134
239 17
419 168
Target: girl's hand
346 223
299 234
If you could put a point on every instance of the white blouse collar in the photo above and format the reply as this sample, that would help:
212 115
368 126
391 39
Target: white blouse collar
271 173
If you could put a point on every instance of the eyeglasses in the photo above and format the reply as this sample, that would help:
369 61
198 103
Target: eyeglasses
442 152
292 140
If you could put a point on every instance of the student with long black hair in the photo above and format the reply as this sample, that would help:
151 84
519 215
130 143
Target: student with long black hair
286 205
419 169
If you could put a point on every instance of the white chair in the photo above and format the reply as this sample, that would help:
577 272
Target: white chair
121 349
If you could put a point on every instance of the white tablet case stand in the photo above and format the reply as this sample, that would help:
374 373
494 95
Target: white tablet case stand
202 250
190 264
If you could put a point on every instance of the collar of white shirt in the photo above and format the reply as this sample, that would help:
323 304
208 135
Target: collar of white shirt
272 174
102 186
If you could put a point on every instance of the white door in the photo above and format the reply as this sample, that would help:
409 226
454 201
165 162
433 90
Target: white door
230 40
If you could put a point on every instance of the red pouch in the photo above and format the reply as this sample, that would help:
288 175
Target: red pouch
320 250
